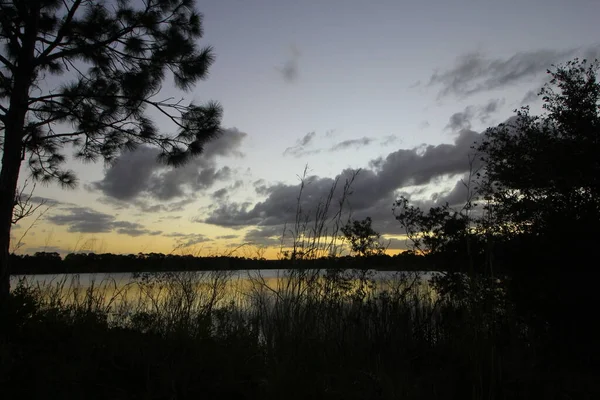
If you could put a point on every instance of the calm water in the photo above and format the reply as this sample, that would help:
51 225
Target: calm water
208 288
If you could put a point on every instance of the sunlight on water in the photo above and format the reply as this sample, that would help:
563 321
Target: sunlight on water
199 292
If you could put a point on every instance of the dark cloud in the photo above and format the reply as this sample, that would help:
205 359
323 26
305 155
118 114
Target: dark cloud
462 120
290 69
476 72
228 237
44 200
375 189
530 97
137 232
147 207
84 220
133 229
352 143
138 174
187 239
167 218
130 174
264 236
237 184
362 142
87 220
175 234
299 148
490 107
390 139
485 112
220 194
260 186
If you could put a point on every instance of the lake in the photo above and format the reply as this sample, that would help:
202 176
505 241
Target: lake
163 291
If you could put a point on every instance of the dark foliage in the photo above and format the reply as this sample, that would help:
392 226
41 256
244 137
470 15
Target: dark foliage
363 239
538 220
78 263
107 62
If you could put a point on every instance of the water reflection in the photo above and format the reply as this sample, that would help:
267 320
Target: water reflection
201 292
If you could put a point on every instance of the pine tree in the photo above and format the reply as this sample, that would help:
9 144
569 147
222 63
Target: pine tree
85 74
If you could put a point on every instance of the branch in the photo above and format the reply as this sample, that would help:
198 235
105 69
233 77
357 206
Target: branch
46 57
23 206
7 63
61 31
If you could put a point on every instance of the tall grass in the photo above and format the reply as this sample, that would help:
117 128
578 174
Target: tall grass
321 338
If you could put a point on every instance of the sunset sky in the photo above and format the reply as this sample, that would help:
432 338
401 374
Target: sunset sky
400 89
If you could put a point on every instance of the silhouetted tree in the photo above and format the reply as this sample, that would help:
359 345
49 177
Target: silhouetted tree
543 172
441 231
540 191
542 178
85 74
363 239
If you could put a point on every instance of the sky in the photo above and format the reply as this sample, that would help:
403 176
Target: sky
398 89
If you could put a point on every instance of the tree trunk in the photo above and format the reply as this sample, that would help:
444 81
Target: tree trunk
11 163
23 76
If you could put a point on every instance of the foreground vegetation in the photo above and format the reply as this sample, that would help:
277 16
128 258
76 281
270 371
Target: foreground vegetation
337 335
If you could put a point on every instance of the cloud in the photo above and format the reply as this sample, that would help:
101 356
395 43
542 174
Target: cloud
188 239
363 142
146 206
237 184
299 148
228 237
87 220
84 220
130 174
290 69
133 229
476 72
492 106
375 189
354 143
390 139
260 187
530 97
264 236
43 200
462 120
220 194
457 196
137 176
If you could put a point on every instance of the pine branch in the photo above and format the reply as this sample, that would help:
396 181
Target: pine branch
61 32
10 66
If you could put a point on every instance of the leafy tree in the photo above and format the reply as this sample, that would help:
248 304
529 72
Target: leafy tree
363 239
543 172
540 215
84 75
543 178
432 232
